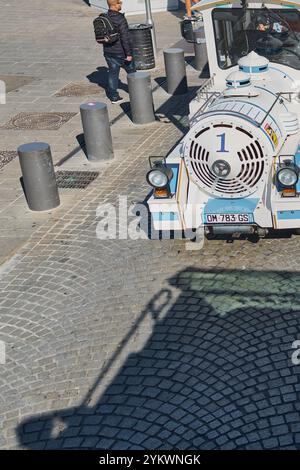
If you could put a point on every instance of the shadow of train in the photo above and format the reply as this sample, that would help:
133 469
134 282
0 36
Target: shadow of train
216 372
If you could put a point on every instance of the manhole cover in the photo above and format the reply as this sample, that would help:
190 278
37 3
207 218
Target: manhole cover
75 179
38 121
6 156
80 89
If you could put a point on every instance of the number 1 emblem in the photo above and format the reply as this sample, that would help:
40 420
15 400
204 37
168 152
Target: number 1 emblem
222 149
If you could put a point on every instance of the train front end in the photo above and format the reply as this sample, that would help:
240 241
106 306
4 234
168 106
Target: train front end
237 169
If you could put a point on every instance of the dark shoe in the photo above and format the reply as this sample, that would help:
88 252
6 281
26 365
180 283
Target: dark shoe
117 100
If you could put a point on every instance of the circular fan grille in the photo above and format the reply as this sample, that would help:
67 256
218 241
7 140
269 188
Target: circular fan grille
249 165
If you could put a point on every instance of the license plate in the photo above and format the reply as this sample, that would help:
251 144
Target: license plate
228 218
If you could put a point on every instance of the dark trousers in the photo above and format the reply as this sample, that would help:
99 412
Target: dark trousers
114 64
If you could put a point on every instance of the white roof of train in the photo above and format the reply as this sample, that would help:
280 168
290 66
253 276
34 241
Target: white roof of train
206 4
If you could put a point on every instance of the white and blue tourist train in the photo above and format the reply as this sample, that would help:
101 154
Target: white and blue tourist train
237 169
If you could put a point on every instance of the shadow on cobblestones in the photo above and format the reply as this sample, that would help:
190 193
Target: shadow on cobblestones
215 373
176 109
100 77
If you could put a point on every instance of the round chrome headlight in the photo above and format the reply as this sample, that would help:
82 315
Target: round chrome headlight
160 175
157 178
287 176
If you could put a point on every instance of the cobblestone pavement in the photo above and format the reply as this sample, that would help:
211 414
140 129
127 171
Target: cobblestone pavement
56 49
143 344
140 343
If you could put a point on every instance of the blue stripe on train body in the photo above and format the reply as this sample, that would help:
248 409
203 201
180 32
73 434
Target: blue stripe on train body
288 215
254 68
230 206
297 162
165 216
174 180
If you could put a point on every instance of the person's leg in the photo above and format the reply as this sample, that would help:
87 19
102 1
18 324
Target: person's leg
113 64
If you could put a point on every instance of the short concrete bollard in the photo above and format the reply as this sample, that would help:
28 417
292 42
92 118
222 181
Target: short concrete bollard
38 176
198 41
96 129
141 100
175 71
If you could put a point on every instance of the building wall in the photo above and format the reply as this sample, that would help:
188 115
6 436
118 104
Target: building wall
138 6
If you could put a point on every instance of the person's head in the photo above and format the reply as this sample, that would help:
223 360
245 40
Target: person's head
115 5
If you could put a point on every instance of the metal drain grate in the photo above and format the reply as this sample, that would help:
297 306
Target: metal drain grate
38 121
80 89
6 156
75 179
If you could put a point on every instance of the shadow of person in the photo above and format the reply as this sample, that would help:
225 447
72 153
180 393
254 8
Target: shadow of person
216 372
176 108
100 78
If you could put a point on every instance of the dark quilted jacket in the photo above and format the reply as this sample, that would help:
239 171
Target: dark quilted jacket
122 47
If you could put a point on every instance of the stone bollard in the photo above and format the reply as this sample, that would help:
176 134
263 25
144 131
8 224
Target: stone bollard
198 41
96 129
175 71
39 180
141 100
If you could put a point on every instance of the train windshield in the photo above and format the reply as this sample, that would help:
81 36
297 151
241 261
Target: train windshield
272 33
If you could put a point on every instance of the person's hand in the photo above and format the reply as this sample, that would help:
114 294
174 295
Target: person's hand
129 58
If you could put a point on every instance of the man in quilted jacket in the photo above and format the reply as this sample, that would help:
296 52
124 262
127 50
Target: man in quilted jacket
119 53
